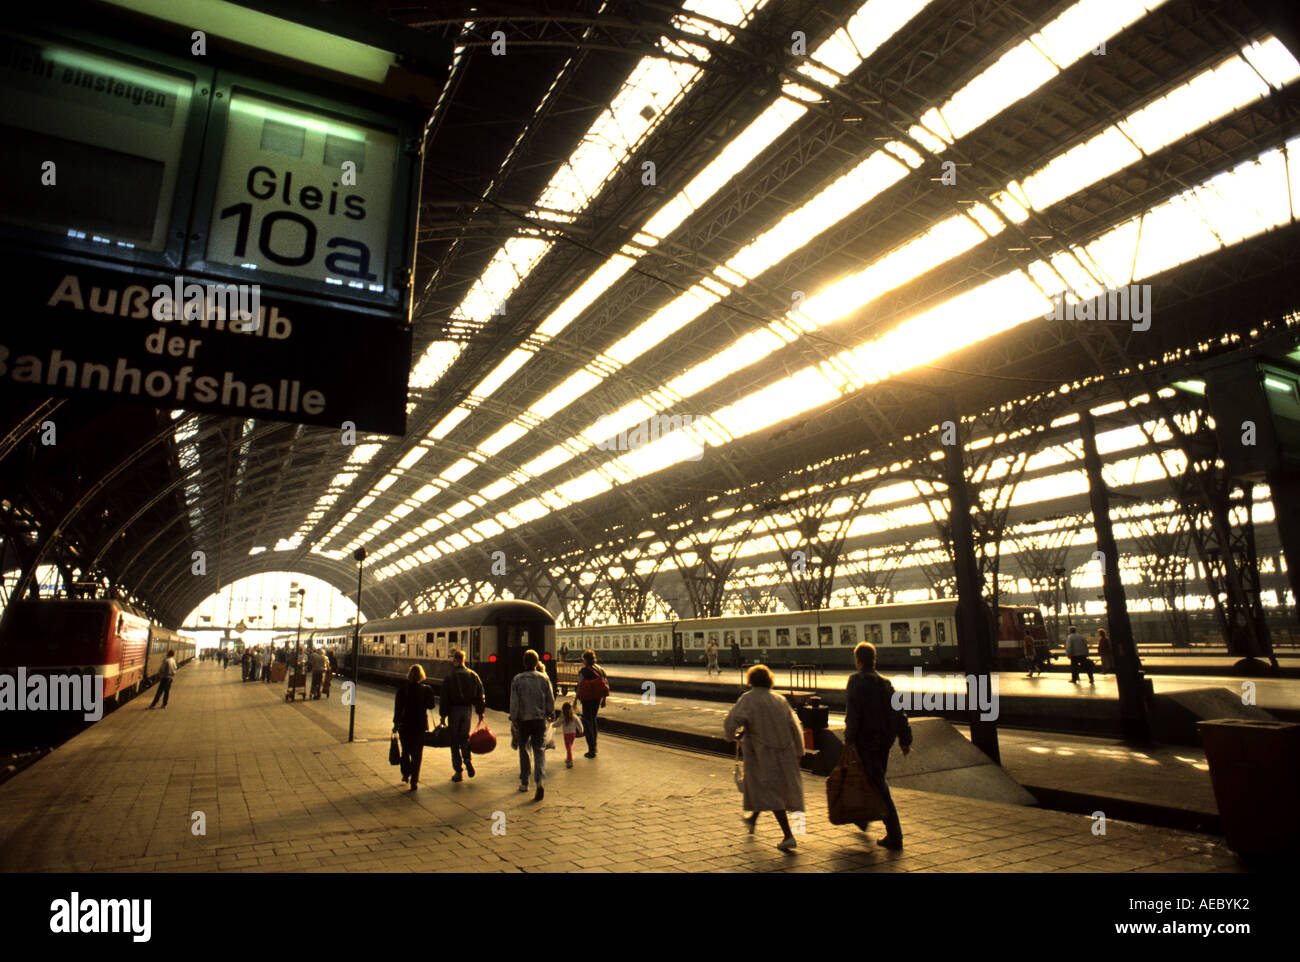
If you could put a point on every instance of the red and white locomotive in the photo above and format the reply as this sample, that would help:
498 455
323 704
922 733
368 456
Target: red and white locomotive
98 637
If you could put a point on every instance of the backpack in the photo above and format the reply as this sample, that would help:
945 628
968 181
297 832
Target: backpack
593 689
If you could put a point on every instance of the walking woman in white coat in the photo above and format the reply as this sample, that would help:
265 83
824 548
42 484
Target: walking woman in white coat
772 743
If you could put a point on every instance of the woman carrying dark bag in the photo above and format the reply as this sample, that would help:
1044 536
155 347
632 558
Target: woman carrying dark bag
593 689
411 710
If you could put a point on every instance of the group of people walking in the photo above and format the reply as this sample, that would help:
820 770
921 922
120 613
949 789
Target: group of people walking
533 718
1038 652
711 656
773 742
762 720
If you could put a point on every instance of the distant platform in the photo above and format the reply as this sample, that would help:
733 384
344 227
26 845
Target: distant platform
280 790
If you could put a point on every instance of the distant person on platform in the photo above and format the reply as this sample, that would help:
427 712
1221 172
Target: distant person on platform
1104 653
771 743
1031 655
165 675
735 655
316 660
532 706
245 664
871 723
411 710
462 695
593 689
711 654
1076 647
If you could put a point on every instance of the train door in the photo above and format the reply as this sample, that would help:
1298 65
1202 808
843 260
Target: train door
679 653
510 653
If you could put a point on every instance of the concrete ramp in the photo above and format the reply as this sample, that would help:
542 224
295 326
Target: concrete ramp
1174 715
945 762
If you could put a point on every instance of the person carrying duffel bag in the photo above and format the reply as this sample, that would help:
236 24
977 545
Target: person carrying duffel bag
482 740
593 689
462 695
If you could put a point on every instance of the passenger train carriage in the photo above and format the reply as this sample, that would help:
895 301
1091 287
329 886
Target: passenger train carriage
922 633
99 637
494 637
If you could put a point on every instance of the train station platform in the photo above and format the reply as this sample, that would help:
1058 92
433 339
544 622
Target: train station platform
276 788
1049 702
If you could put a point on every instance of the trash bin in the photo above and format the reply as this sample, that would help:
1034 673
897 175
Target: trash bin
1255 770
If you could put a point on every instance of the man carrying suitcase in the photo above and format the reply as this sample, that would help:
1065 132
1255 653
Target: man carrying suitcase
871 724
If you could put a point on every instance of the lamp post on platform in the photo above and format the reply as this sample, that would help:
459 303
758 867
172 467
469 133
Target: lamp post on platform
297 644
359 556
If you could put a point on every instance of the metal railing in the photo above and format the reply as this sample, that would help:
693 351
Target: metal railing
804 677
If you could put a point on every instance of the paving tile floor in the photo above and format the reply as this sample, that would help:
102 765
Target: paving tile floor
280 790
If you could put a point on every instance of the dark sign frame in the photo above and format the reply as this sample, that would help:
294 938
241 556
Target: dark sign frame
358 360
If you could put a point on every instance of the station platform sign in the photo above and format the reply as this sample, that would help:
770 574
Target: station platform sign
185 226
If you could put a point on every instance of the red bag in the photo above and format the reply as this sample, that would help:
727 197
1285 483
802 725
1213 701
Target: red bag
593 689
482 741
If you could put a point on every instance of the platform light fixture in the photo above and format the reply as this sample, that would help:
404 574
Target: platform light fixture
274 35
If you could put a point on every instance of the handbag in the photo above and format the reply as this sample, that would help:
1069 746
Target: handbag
394 751
440 737
850 796
482 741
593 689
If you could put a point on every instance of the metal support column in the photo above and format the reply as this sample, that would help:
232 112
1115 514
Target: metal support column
359 556
974 638
1133 688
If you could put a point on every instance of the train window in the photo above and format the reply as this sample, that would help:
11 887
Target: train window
728 638
402 640
627 641
941 632
636 641
451 637
764 637
699 639
848 634
428 637
900 632
925 632
803 635
825 635
713 637
523 638
783 637
746 638
871 633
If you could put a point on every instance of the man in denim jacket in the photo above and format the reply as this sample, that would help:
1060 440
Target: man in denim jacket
532 706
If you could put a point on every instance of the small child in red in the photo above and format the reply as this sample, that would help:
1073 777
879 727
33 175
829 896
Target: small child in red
569 725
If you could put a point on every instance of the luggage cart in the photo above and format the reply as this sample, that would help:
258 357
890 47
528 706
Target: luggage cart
297 680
